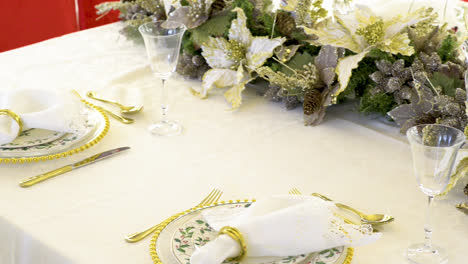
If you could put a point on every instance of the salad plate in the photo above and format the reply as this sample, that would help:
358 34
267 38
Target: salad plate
32 137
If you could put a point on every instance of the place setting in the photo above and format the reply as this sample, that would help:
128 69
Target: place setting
38 125
294 228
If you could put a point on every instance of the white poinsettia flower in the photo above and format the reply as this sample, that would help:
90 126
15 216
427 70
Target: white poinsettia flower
361 31
232 61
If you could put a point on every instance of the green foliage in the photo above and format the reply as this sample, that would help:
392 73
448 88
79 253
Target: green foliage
380 103
448 49
377 54
297 62
248 8
299 36
275 66
448 85
359 79
311 49
184 3
266 5
216 26
187 44
264 26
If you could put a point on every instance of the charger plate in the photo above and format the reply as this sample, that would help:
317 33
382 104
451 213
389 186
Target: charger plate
96 127
177 238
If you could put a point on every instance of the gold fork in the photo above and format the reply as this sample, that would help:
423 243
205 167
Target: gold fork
212 197
121 119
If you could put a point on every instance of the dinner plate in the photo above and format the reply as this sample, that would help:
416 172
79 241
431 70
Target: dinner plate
176 241
95 127
33 137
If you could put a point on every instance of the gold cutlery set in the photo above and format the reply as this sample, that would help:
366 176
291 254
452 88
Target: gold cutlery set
123 110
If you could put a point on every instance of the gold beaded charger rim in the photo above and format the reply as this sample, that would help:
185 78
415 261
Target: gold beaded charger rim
90 142
153 252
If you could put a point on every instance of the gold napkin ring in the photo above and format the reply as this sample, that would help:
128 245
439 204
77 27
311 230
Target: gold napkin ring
235 234
15 117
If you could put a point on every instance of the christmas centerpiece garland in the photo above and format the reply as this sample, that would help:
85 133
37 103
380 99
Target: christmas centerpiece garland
406 67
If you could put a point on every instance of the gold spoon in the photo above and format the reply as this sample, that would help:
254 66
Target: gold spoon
119 118
373 219
123 109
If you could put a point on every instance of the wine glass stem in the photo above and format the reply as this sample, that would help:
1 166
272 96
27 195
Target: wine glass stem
428 225
164 105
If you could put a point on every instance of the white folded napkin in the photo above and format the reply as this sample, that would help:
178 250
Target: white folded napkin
285 225
56 111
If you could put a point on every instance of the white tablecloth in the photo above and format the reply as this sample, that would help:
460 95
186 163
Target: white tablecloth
261 149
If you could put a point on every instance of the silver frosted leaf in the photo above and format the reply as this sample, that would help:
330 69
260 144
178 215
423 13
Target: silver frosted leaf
398 67
327 57
460 95
187 16
402 113
421 101
384 66
393 84
328 76
405 92
377 77
451 69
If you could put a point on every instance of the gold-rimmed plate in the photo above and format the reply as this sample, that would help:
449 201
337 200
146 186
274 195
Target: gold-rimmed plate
95 128
175 242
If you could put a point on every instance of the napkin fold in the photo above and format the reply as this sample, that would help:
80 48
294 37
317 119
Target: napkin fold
56 111
286 225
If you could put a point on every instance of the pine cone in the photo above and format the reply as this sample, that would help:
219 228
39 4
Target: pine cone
218 6
312 101
285 23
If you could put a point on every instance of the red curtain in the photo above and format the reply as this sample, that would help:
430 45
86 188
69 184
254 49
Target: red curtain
24 22
88 16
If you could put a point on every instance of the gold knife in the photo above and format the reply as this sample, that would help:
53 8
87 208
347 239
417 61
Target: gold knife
42 177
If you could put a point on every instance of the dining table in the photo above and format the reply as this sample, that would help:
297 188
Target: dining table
258 150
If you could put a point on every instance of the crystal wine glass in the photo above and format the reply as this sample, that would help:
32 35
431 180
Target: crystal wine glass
162 42
434 149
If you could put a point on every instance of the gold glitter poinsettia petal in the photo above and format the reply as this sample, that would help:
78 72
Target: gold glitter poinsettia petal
260 50
345 68
335 34
400 43
216 53
239 31
234 95
398 23
215 77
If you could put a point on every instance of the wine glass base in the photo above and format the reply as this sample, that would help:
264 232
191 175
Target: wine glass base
165 128
420 254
